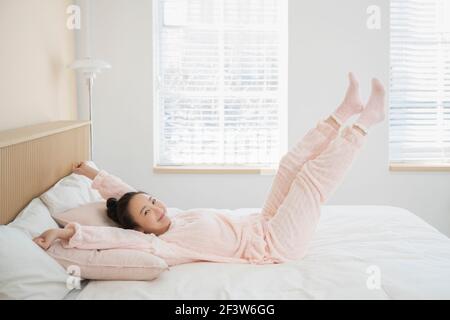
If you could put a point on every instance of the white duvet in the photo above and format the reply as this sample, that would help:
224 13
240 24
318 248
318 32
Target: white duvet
358 252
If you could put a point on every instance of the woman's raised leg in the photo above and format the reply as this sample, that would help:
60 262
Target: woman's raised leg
310 146
292 227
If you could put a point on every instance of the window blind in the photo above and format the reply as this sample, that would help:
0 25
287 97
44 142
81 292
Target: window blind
420 81
220 90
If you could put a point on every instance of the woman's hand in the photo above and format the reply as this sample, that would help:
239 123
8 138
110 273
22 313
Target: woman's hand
46 239
82 168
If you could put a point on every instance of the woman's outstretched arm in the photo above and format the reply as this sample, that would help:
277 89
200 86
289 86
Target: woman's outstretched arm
82 168
90 237
108 185
46 239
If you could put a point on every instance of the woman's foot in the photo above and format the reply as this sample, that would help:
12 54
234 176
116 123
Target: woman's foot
352 103
374 112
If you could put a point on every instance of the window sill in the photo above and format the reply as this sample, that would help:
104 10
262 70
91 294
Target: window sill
425 167
214 170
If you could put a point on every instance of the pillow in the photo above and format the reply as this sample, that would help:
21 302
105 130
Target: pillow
34 219
111 264
91 214
26 271
70 192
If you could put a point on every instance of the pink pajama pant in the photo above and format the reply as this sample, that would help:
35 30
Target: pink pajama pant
306 178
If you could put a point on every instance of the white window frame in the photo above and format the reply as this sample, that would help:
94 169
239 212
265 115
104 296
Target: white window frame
283 112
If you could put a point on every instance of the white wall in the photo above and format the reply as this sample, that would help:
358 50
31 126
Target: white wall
327 38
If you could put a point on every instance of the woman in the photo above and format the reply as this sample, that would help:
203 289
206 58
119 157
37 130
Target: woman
306 177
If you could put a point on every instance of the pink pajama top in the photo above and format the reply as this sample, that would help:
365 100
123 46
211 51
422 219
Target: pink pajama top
194 235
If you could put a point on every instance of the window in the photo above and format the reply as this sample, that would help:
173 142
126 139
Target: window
420 82
220 82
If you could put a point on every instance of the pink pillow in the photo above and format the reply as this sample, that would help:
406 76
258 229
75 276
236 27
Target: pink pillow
111 264
91 214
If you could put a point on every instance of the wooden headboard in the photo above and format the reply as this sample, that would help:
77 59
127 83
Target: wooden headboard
34 158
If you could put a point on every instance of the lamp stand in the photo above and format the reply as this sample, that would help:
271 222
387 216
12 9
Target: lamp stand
90 68
90 84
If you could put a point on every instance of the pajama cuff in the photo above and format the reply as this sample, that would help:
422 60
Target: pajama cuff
363 128
98 180
339 122
327 129
77 237
353 136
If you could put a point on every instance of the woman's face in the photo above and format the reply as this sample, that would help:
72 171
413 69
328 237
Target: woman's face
149 214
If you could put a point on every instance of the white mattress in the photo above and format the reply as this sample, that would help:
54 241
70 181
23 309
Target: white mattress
413 260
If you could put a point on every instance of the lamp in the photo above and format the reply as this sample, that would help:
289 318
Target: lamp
89 69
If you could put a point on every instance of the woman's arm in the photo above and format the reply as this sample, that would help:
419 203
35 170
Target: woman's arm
46 239
82 168
108 186
88 237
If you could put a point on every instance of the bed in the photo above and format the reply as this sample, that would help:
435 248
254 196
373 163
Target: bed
353 245
358 252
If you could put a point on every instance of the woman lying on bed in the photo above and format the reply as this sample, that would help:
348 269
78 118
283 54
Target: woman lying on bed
306 178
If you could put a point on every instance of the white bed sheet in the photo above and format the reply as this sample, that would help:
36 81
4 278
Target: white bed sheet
413 260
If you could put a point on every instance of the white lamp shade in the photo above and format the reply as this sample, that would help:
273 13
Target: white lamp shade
89 67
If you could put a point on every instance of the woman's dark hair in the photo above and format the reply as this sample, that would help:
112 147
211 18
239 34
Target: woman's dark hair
118 210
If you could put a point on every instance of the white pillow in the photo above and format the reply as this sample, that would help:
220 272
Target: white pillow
27 271
70 192
34 219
